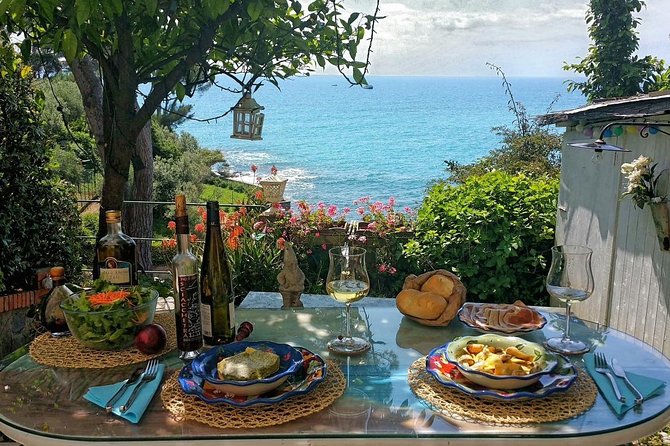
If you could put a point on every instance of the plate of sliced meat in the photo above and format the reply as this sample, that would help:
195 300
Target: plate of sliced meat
513 318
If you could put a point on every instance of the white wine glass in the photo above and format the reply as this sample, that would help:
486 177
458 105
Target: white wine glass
347 282
569 279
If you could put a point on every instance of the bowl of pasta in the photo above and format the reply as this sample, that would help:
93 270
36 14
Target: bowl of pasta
500 362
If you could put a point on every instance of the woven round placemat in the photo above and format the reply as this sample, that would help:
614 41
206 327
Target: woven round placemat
458 405
68 352
224 416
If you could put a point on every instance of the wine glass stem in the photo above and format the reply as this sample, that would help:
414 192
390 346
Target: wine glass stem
566 333
346 320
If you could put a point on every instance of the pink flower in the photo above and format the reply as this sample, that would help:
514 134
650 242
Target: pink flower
259 195
362 239
360 210
281 243
273 170
372 226
172 225
377 206
332 210
194 238
199 227
345 211
391 201
259 226
392 270
364 199
309 251
382 268
324 246
293 220
408 210
317 234
321 205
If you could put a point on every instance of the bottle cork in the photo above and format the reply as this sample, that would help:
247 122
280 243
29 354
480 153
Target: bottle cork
57 272
180 205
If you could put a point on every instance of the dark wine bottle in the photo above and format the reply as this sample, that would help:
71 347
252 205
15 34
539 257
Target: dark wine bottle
51 315
217 302
116 254
186 291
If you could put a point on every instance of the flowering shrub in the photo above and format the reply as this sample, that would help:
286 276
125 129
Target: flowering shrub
642 181
254 243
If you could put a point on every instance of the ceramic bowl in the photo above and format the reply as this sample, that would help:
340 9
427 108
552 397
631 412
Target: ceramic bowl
109 327
204 365
545 360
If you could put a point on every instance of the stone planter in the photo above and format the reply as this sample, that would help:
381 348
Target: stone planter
660 212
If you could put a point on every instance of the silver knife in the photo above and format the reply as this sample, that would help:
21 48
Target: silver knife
618 371
129 382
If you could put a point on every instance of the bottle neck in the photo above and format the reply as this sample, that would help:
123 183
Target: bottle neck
183 243
114 228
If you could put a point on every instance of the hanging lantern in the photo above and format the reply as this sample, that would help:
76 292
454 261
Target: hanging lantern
273 191
247 119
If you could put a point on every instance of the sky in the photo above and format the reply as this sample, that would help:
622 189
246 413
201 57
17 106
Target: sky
523 37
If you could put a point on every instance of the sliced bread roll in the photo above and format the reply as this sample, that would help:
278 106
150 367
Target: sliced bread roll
420 304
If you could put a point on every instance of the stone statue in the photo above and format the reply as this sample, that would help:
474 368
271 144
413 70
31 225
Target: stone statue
291 279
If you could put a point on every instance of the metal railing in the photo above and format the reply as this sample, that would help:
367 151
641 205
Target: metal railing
155 239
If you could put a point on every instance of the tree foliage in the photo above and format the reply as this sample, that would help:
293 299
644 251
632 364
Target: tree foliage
611 67
176 45
38 216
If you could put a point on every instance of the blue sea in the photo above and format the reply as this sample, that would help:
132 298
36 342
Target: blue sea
337 143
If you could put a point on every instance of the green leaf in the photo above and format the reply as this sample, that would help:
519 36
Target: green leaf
180 91
254 10
26 46
118 6
83 10
358 76
69 44
297 7
151 5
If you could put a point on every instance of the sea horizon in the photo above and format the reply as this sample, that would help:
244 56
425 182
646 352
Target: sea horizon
335 143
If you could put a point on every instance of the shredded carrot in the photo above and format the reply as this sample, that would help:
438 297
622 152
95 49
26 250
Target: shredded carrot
107 297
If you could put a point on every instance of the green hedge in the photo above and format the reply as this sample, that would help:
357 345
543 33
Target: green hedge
495 231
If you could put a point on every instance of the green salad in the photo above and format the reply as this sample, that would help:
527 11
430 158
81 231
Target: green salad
109 317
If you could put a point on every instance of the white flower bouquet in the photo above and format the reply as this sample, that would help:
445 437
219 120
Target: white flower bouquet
642 181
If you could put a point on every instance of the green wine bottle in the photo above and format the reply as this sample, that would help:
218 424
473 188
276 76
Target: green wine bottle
217 301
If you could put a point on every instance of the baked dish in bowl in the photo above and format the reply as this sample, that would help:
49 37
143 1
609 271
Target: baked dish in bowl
499 362
247 367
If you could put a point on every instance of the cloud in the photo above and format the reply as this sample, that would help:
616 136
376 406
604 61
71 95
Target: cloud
525 37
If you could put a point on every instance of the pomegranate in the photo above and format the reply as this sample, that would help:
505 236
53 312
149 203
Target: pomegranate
151 339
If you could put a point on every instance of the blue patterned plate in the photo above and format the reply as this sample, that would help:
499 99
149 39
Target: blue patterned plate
446 373
307 377
204 365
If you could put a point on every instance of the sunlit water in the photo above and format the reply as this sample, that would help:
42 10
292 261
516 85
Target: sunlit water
337 143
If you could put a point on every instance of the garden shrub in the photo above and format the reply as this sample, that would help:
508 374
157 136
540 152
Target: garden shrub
39 221
495 231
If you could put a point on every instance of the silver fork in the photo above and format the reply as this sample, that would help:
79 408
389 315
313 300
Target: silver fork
602 367
150 372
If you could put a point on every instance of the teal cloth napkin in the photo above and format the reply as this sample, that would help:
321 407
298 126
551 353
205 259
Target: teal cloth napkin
101 394
646 385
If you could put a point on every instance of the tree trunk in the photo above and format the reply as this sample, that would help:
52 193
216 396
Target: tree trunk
90 87
139 217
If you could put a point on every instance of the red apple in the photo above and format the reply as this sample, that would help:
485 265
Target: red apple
151 339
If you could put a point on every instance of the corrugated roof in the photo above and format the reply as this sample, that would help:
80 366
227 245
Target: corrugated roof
640 106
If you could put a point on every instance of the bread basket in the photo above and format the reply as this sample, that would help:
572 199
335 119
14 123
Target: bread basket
432 298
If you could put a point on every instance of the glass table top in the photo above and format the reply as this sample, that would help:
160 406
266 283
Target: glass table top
44 403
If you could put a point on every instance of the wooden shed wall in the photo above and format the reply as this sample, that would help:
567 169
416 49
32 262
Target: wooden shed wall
631 272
